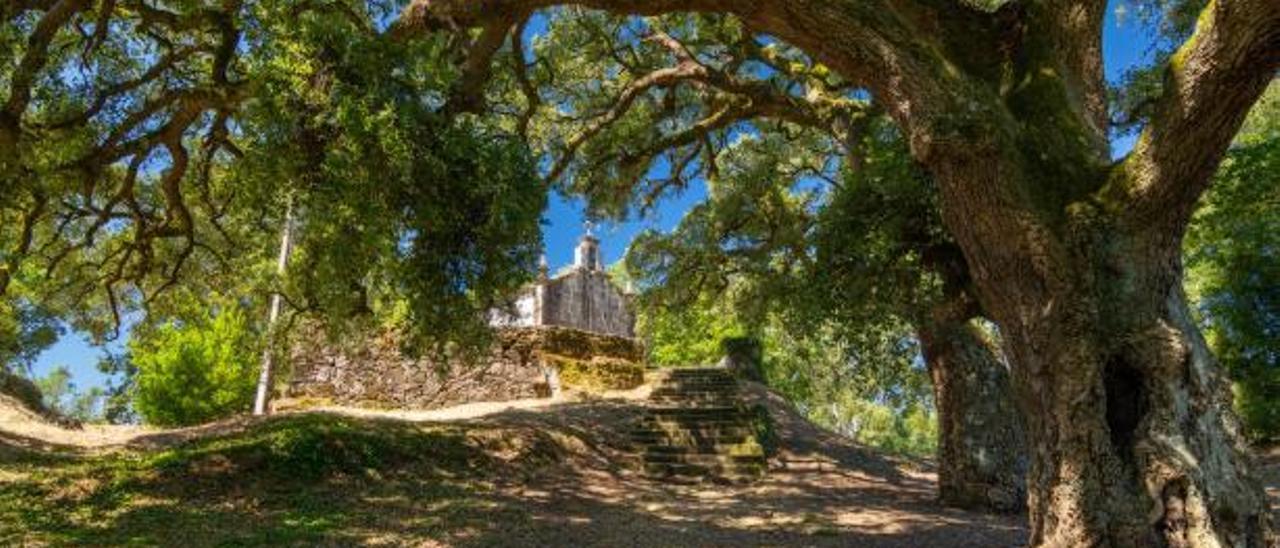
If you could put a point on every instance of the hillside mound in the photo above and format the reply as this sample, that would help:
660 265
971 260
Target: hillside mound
552 475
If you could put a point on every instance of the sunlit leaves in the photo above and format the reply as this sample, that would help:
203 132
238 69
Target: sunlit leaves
169 150
1233 266
196 371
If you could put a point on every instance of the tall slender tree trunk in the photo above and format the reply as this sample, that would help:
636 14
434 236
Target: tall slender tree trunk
982 459
262 400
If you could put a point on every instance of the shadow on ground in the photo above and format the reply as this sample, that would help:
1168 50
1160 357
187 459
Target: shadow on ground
519 478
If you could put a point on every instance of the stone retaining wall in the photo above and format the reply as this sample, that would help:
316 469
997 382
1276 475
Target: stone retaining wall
378 374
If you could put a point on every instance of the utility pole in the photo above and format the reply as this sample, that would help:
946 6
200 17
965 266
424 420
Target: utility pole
261 403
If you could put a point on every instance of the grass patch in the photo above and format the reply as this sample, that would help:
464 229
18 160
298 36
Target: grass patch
296 480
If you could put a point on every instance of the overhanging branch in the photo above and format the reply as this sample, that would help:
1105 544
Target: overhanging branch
1212 81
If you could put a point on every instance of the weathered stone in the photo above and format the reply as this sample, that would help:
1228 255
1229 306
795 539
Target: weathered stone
583 298
375 372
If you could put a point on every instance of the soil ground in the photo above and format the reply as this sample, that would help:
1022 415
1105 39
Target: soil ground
558 481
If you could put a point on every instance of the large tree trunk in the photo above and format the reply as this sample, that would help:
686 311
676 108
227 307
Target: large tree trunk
1131 435
982 459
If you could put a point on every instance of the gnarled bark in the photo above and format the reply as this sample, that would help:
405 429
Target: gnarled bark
1133 441
982 459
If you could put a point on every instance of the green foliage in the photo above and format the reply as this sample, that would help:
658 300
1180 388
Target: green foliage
828 270
117 397
190 373
26 330
910 432
406 210
61 396
765 429
746 356
1233 267
161 157
868 385
686 335
24 390
313 479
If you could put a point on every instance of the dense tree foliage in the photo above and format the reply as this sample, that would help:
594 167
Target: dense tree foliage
1233 261
63 397
148 147
26 329
130 133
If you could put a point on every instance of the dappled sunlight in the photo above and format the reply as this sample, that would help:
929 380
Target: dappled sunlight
515 477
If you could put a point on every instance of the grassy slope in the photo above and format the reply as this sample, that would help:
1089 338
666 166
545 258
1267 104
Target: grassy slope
295 480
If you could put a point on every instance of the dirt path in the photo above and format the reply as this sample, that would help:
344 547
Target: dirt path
23 428
821 489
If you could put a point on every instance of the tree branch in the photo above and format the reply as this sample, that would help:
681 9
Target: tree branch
468 95
1212 81
531 97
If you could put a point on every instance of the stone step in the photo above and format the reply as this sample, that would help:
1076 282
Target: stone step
668 470
696 388
704 459
709 381
713 379
692 437
720 434
725 400
689 416
679 404
700 411
724 379
695 426
697 429
695 371
693 391
744 449
665 407
702 429
703 426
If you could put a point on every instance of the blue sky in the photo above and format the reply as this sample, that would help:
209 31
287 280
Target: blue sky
1125 45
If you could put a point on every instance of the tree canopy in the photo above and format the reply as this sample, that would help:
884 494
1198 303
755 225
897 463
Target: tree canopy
144 145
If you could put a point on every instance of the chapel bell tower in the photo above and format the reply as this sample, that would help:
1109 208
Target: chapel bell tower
587 255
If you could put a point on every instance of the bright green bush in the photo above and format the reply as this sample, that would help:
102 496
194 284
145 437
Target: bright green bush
196 372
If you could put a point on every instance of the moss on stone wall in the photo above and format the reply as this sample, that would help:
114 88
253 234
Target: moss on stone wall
597 374
584 346
375 372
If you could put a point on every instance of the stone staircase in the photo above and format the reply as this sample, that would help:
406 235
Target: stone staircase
696 429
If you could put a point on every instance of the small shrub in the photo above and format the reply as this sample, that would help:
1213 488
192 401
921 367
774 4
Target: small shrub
196 372
766 432
1257 400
